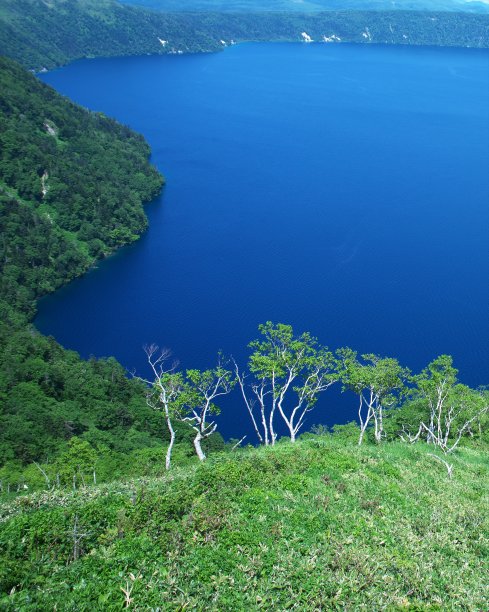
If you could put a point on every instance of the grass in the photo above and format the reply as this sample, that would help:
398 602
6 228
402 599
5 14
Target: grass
320 525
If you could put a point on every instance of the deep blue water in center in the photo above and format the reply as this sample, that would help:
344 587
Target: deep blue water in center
341 189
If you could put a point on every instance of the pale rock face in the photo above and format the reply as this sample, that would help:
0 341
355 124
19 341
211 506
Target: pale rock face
44 185
50 128
306 37
367 34
332 38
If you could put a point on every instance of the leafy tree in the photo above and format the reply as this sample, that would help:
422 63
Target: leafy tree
378 382
77 462
197 402
168 392
449 409
288 374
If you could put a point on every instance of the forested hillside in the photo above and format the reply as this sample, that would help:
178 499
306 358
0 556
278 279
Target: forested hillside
46 34
307 6
79 177
72 184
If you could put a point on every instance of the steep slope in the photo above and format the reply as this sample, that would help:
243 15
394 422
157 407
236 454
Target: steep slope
82 176
72 184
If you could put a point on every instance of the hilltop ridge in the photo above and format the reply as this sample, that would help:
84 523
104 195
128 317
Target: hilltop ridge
42 36
320 525
310 6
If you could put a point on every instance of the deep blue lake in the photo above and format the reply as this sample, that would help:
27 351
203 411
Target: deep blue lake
342 189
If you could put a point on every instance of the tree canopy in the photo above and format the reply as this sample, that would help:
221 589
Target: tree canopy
72 185
41 35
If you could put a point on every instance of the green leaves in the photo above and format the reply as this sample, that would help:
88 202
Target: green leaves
289 373
203 386
382 375
188 398
448 409
280 352
93 169
439 372
380 382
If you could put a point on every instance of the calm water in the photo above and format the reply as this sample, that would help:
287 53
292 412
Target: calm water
342 189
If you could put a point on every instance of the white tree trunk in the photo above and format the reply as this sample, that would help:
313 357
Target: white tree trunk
172 442
249 407
381 424
362 432
198 448
273 435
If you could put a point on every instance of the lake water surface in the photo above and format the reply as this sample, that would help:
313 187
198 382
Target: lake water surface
342 189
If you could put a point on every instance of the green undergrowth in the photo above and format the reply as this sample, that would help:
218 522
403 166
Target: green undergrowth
319 525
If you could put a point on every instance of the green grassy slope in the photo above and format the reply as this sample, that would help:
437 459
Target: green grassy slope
320 525
47 34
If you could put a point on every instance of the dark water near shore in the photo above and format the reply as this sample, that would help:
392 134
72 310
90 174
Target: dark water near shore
342 189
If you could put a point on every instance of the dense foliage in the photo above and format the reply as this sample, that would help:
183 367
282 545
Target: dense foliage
321 524
306 6
46 34
105 416
324 524
72 185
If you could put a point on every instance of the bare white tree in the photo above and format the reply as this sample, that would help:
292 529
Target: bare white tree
262 425
166 391
43 472
77 536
